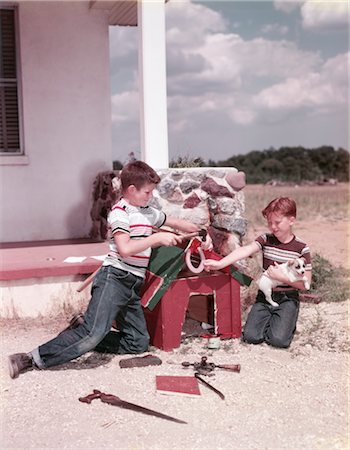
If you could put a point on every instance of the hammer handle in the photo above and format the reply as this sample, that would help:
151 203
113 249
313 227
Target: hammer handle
183 236
88 280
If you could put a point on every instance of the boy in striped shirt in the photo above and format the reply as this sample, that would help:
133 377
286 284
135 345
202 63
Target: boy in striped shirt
274 325
115 292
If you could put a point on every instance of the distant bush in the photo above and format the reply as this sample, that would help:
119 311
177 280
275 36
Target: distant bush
186 161
291 164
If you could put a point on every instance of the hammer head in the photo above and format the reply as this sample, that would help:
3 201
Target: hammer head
203 234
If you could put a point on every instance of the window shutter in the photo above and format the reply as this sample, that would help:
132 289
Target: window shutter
9 116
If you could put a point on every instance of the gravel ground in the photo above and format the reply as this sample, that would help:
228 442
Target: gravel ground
282 399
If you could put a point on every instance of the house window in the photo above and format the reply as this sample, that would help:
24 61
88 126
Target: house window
9 92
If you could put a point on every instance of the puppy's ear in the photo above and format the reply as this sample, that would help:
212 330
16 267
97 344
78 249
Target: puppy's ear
290 262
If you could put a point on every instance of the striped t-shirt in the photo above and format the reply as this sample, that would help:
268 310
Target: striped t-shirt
276 251
138 223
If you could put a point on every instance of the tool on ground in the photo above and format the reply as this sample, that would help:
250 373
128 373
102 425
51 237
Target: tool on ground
116 401
140 361
205 368
220 394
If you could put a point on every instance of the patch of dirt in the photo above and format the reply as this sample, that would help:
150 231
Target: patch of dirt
299 393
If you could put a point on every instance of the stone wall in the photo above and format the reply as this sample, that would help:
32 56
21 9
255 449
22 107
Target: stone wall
210 197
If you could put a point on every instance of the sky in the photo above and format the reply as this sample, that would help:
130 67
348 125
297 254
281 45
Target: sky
241 76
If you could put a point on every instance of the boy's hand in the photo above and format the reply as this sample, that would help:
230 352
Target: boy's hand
208 244
212 264
166 239
275 272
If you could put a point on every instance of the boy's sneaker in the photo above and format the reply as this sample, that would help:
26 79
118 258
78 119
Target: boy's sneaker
140 361
19 363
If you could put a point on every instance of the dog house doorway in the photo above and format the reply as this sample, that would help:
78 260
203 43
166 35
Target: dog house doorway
200 314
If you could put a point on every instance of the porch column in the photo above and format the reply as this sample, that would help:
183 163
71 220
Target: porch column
152 73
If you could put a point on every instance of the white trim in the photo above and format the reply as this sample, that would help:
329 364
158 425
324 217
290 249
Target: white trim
153 95
13 160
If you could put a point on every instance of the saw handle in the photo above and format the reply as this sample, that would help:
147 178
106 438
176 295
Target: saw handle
105 398
90 397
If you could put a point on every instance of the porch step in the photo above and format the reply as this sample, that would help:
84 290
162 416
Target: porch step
36 279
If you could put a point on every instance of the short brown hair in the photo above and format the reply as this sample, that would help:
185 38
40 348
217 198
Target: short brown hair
281 205
138 173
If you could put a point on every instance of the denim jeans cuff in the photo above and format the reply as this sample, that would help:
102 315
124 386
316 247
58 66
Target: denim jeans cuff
37 359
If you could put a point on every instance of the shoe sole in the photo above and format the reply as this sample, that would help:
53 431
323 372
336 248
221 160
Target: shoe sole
141 361
13 368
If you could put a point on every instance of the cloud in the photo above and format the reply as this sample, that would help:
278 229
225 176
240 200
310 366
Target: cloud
125 107
287 5
318 92
318 14
325 14
213 71
123 43
180 62
228 64
275 28
227 75
182 21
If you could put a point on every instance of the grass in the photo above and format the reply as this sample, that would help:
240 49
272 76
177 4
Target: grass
330 282
313 202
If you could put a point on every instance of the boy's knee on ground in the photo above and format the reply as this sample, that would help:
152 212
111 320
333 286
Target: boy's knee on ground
142 344
252 338
139 345
278 341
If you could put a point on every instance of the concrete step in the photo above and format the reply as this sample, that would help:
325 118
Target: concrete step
42 278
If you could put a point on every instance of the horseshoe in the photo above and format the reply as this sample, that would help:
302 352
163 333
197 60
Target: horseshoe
193 269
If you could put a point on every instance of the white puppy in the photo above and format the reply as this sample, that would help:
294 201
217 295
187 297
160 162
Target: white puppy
293 269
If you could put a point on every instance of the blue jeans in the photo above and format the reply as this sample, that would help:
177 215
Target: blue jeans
274 325
115 295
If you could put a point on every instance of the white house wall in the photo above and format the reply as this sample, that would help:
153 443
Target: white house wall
66 122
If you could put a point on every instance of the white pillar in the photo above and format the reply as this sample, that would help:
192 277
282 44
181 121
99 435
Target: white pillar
152 74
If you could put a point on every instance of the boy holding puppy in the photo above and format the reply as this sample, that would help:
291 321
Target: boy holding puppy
274 325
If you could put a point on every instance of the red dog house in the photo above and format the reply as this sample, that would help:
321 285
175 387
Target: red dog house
168 290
